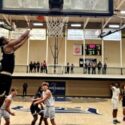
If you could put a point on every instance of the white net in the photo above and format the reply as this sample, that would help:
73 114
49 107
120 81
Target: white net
55 25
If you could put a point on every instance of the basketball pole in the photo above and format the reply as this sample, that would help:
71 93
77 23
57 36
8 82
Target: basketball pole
121 56
54 58
56 54
47 44
28 53
103 46
66 32
84 46
28 46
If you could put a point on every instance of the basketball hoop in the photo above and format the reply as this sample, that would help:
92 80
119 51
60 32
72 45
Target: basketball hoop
55 25
40 18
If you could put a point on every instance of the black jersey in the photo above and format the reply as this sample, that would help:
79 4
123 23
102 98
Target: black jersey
8 62
38 95
35 109
123 97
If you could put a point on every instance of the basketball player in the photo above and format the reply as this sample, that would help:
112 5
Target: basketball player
115 101
123 101
8 61
35 109
47 99
5 111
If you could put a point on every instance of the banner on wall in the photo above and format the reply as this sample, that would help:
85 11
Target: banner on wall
57 87
77 49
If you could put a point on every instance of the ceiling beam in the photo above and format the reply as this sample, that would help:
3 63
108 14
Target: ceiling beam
6 19
86 22
27 20
107 21
118 6
117 2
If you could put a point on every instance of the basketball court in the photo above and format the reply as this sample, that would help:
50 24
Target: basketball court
67 33
103 105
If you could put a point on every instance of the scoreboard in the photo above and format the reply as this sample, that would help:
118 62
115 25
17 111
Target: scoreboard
93 49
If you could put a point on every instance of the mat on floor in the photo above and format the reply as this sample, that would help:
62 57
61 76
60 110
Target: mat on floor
63 110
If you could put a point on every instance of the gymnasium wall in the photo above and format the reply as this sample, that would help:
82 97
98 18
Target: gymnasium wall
38 52
21 55
112 53
123 51
94 88
61 56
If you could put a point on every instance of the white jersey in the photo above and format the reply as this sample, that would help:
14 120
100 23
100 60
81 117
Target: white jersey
4 105
115 92
50 101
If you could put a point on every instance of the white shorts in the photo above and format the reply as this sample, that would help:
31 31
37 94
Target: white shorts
4 114
49 112
115 103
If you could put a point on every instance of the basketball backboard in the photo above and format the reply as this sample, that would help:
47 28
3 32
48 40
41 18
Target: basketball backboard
70 7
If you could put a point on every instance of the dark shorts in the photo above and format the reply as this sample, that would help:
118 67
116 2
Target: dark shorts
5 85
34 109
123 102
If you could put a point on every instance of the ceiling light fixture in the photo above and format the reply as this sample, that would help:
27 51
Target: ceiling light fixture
76 25
114 26
37 24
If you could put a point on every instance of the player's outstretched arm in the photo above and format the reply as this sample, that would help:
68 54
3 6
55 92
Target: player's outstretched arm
15 44
44 98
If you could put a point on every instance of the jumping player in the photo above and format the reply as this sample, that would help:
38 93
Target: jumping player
115 101
5 111
47 99
8 61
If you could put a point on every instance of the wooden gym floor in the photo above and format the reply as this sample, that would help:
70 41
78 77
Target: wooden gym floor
104 106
